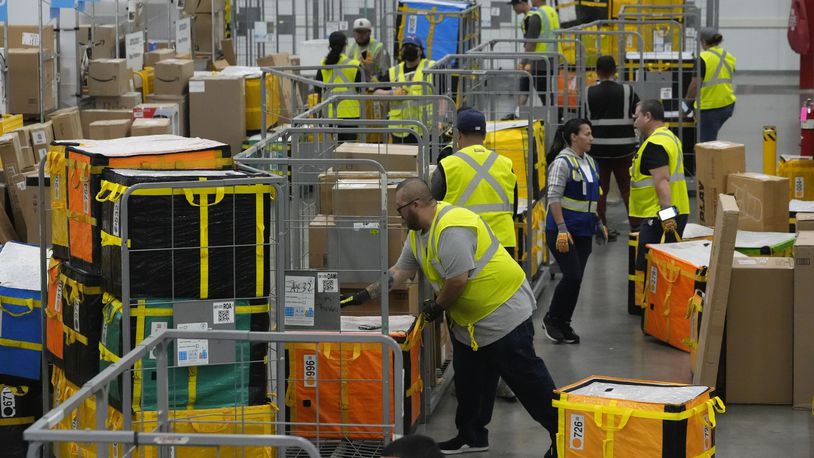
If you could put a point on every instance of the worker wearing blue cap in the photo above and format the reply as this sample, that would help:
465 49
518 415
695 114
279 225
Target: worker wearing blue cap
411 69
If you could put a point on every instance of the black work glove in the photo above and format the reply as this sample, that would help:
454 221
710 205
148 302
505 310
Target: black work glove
358 298
431 310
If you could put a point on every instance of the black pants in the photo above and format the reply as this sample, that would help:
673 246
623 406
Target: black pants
476 375
572 264
650 232
409 139
539 75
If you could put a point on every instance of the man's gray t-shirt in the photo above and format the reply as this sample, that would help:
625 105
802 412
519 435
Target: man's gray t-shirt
456 251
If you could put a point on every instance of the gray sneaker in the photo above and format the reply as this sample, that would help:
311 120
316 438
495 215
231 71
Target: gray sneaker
504 392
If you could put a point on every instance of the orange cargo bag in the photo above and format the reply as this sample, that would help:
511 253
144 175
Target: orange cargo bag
53 314
675 271
85 163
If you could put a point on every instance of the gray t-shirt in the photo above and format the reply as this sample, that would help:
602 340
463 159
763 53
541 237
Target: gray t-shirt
456 251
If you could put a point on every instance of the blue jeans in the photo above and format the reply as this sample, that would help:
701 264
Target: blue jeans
476 376
712 120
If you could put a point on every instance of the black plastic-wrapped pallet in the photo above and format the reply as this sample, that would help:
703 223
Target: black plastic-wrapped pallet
206 243
81 322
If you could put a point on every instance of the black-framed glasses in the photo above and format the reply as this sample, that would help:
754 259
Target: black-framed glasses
399 209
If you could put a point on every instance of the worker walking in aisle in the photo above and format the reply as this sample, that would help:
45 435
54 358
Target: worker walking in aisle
367 50
346 109
658 191
482 181
717 97
411 69
573 195
537 23
489 303
610 106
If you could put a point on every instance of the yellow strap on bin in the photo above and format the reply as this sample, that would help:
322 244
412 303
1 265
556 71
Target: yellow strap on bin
259 241
112 240
16 421
711 405
71 336
416 387
20 344
29 304
106 355
192 387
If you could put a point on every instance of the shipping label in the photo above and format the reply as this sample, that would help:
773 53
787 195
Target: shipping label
576 433
192 352
223 312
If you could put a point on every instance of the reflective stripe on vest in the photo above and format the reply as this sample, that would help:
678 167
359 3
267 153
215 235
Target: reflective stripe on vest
625 120
644 200
482 175
345 108
405 109
716 86
372 48
676 175
579 205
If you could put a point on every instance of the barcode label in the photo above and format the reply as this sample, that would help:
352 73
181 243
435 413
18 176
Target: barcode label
654 278
76 306
309 370
223 312
799 187
328 282
58 298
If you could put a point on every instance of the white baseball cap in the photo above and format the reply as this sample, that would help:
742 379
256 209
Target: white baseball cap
362 24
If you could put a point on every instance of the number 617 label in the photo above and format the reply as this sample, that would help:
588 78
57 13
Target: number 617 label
576 435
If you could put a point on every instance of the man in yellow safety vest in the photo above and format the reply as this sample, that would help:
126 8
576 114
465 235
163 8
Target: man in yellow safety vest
658 190
369 51
717 99
489 304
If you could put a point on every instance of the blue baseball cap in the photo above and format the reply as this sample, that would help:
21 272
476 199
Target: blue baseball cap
471 121
412 40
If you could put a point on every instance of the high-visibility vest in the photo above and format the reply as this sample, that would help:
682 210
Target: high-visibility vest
549 22
615 129
411 110
644 202
355 52
346 109
482 181
579 200
716 87
495 278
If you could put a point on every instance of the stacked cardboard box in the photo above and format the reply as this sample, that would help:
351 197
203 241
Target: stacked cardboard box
763 201
108 77
714 161
67 124
227 123
24 77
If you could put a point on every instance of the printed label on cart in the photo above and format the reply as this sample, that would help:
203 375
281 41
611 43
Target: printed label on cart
707 434
309 366
57 299
86 197
116 207
328 282
412 24
799 187
76 306
223 312
8 403
654 279
299 300
192 352
666 93
55 180
576 434
155 326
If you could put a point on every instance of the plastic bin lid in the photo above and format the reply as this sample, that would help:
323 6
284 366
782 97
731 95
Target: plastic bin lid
246 72
149 144
801 206
398 323
20 266
178 173
695 252
655 394
457 4
749 239
695 231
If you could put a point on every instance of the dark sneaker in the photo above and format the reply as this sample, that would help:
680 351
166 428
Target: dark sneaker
613 234
509 117
456 446
553 330
552 452
571 337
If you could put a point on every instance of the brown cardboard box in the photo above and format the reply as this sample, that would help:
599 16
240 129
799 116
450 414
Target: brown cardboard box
67 124
89 116
805 222
402 301
41 136
217 65
28 199
27 36
228 48
202 33
172 76
328 179
288 106
182 101
155 56
170 110
714 161
763 201
126 101
759 326
150 126
319 235
803 320
217 106
361 197
24 81
108 77
23 136
106 130
104 40
192 7
7 232
394 158
11 154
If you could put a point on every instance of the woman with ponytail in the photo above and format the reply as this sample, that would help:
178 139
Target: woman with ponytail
335 77
573 194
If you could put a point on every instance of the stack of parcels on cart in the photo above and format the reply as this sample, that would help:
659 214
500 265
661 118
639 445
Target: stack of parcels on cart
335 391
198 259
20 344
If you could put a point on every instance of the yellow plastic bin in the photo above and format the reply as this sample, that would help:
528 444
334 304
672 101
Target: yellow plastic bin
253 96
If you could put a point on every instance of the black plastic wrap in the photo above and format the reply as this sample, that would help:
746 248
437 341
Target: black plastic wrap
18 401
165 235
81 313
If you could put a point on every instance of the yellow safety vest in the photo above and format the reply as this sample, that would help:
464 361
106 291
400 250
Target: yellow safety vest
716 88
347 109
411 110
482 181
495 278
644 202
549 22
372 48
